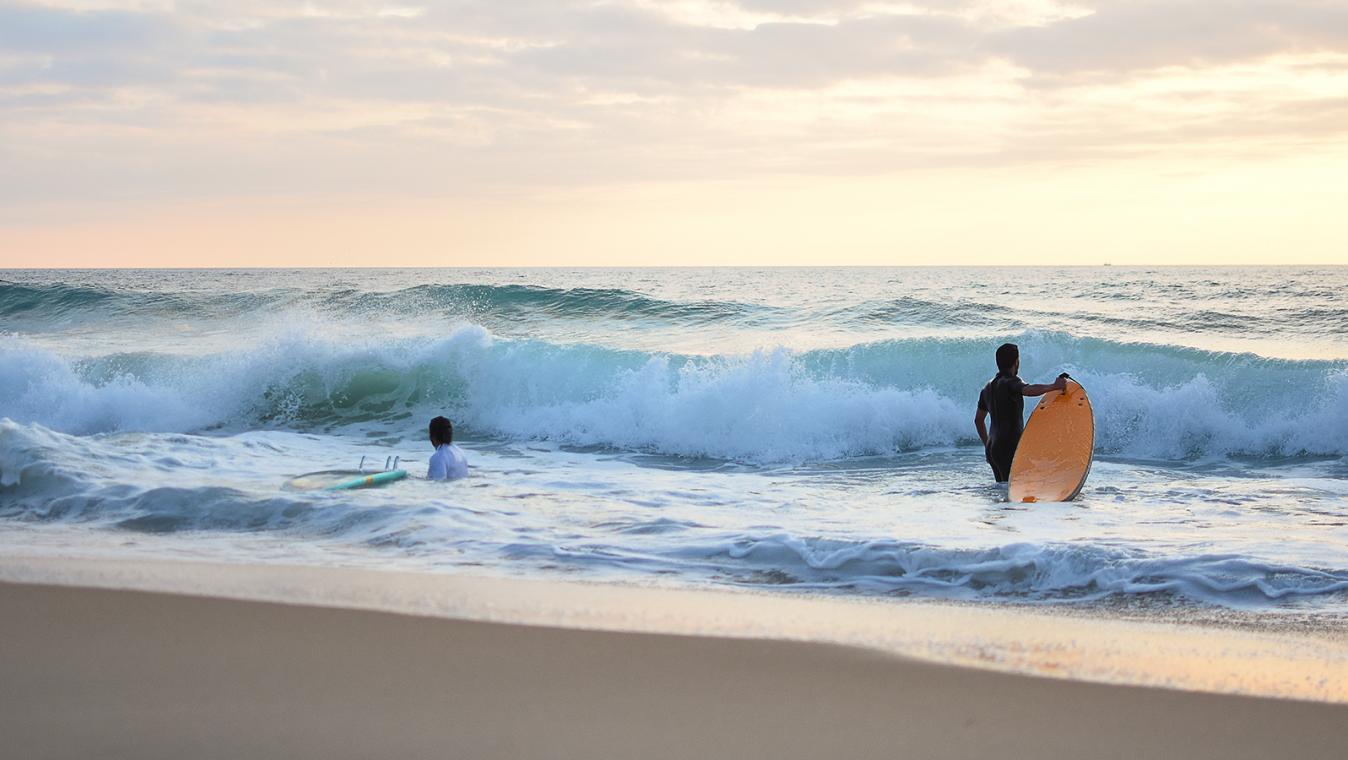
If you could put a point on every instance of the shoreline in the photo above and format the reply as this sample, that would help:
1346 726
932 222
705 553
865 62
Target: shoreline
111 673
1287 662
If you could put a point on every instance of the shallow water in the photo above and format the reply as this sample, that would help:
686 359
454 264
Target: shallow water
786 428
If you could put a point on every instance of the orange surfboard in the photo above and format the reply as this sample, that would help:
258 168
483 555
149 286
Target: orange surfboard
1055 451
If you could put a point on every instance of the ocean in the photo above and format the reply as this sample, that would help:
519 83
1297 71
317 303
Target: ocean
782 429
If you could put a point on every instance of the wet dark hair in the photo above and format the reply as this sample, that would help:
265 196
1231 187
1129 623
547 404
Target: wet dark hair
1007 355
442 430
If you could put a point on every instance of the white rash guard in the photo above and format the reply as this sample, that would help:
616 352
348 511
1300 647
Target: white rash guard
448 463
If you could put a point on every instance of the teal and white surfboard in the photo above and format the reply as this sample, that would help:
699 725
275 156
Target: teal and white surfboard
343 480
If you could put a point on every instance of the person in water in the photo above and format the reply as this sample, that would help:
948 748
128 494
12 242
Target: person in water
448 461
1004 398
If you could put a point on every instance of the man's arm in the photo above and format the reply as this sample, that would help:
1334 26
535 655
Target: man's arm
978 424
1038 390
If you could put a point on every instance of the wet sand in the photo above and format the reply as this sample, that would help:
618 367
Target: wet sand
101 672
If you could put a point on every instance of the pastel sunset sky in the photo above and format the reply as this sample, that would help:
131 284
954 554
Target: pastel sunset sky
629 132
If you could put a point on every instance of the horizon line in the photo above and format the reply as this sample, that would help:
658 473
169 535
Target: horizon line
674 266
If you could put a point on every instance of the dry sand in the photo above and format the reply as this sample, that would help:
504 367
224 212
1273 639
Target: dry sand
105 673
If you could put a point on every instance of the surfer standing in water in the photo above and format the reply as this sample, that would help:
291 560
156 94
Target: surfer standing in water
1004 398
448 461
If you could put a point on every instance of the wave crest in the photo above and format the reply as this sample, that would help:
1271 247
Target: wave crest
58 301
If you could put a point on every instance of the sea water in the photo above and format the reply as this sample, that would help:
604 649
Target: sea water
774 428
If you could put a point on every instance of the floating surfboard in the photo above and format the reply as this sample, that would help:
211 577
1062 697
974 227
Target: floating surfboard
1056 449
343 480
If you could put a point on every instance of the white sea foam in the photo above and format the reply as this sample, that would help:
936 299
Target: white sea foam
766 406
135 485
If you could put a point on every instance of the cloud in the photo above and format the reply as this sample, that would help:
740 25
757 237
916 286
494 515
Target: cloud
1127 36
102 100
36 28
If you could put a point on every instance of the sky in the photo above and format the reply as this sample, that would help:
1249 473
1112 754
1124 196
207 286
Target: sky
697 132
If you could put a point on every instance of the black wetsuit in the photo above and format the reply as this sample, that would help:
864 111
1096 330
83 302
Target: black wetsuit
1003 400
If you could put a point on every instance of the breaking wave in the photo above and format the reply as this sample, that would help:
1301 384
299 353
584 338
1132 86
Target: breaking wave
767 406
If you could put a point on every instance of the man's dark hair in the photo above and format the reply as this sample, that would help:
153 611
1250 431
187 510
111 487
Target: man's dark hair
442 430
1007 355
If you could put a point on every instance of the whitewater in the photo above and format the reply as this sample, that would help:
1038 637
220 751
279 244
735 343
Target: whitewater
791 429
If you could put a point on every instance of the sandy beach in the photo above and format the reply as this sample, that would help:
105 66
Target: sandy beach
106 672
